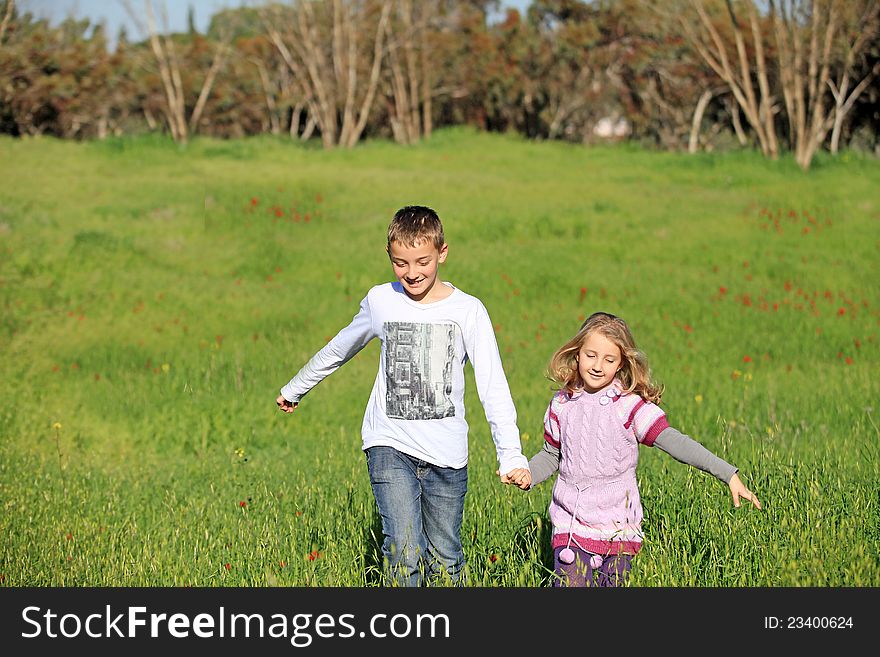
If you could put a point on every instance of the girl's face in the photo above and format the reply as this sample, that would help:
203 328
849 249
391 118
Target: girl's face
598 361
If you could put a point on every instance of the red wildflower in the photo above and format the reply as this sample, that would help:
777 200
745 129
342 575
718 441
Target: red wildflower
281 564
227 566
788 286
722 290
493 558
747 359
687 328
279 212
848 360
583 293
242 503
314 554
255 201
69 536
841 311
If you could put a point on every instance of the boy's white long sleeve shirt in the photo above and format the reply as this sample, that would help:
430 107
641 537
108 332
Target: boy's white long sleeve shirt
417 402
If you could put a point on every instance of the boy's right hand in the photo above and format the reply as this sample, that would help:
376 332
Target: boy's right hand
284 405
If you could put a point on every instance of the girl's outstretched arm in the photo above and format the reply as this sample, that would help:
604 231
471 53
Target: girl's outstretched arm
687 450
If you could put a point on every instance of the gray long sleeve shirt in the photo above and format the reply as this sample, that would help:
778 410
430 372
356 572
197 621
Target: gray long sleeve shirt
679 446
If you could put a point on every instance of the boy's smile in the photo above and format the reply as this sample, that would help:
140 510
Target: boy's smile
416 268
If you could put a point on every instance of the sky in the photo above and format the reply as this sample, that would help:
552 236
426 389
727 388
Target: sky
114 14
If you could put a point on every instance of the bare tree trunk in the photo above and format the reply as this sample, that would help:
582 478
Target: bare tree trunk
733 109
320 74
295 119
844 103
271 107
702 104
216 65
309 129
151 120
411 86
766 109
10 7
102 123
323 53
345 73
868 22
400 117
427 108
757 113
414 123
176 122
374 75
805 76
165 55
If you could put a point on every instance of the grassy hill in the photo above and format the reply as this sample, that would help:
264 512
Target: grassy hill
153 300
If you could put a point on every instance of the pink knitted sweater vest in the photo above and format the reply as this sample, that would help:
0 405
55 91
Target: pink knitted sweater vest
596 497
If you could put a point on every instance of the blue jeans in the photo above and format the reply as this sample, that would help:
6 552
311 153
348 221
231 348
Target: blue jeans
421 506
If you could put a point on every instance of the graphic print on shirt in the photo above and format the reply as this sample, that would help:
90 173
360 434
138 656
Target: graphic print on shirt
418 370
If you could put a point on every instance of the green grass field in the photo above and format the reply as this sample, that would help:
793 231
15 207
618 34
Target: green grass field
153 300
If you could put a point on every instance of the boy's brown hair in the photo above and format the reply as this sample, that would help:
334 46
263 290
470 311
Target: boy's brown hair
415 224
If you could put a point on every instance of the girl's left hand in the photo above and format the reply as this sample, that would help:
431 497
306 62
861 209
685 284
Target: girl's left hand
738 489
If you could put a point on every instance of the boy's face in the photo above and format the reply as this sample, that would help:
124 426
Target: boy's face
416 266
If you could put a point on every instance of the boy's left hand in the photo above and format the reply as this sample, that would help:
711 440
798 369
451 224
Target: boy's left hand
738 489
521 477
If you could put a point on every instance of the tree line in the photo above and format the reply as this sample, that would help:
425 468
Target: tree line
779 75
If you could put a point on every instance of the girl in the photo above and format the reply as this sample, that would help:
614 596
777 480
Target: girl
605 407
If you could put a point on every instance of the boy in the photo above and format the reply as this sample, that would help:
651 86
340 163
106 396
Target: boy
414 431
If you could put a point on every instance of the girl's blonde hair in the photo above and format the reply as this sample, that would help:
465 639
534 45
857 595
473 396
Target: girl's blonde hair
634 373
